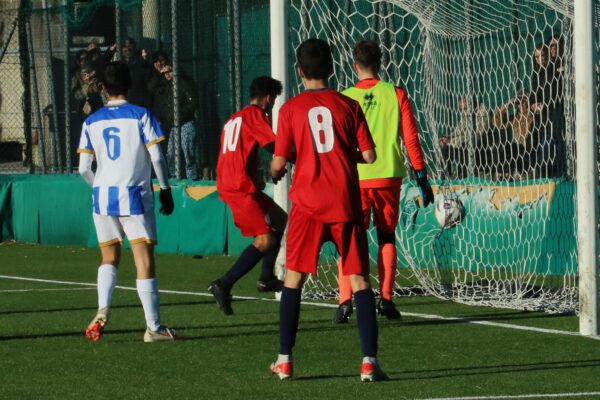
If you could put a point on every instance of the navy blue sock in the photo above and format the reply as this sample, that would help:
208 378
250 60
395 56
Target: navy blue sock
367 321
289 314
245 262
268 263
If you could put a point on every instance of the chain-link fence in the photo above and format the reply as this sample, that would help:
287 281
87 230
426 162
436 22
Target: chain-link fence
53 52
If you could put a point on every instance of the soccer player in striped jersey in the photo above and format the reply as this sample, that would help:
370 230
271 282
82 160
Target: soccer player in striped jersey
123 139
254 213
391 122
330 135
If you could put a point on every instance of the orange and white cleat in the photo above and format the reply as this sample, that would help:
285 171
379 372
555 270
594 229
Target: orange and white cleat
371 372
96 327
283 370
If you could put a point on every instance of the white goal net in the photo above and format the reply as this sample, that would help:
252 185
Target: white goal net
491 85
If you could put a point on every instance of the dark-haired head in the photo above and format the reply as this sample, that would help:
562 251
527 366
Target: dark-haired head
265 86
367 55
116 78
314 59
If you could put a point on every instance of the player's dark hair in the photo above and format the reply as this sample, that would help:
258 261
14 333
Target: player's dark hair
265 86
368 55
116 78
314 58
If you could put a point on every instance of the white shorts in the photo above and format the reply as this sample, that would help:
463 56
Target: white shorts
138 228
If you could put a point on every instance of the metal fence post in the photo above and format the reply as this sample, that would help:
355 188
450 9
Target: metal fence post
56 159
117 31
176 122
36 99
67 94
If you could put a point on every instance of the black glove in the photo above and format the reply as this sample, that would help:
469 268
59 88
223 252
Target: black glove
276 179
166 201
424 187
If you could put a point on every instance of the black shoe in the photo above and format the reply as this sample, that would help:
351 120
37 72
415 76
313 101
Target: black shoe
222 295
343 313
274 285
387 308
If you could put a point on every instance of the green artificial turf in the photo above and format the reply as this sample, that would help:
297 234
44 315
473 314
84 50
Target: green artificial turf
44 354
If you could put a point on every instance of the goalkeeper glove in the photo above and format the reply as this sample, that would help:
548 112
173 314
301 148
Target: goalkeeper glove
424 187
279 176
166 201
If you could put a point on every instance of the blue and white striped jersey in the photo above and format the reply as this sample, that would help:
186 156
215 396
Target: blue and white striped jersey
119 135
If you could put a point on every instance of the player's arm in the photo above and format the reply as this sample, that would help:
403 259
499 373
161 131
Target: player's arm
283 146
86 156
85 167
366 147
410 136
409 133
151 135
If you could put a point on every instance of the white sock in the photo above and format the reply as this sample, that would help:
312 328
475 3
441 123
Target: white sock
148 291
370 360
283 358
107 280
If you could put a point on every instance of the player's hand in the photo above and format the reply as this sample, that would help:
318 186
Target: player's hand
424 187
279 176
166 201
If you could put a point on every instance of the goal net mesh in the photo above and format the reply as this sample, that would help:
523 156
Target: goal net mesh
491 86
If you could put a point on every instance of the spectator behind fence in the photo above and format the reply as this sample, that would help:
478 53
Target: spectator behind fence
517 133
188 104
140 71
474 121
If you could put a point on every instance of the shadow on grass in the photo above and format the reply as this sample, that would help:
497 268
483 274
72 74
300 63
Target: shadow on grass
478 370
92 309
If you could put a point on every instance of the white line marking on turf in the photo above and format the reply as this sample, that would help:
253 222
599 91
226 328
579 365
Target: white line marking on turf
328 305
520 396
45 290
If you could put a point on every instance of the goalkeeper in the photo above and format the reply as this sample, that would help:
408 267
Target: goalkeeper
391 121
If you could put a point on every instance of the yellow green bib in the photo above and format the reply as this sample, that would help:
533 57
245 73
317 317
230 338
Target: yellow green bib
380 105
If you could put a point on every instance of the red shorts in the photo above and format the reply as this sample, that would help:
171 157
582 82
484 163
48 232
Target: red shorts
306 235
250 212
385 203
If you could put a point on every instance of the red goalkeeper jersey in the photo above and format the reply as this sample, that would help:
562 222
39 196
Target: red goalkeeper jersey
326 128
242 134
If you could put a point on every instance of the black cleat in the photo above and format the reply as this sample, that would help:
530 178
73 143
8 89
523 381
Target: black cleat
343 313
274 285
222 296
387 308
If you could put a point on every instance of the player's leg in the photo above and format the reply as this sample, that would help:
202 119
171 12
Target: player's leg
268 281
147 288
171 154
351 241
250 215
386 205
141 231
304 239
188 146
344 310
109 234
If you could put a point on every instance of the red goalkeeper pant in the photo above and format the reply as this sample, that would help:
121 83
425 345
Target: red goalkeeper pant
386 266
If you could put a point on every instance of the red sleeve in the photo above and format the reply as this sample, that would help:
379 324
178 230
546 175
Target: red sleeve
408 131
260 126
363 134
284 140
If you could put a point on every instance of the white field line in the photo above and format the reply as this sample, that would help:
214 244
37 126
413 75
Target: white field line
328 305
45 290
519 396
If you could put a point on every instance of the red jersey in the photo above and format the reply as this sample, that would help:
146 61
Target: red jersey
326 128
242 134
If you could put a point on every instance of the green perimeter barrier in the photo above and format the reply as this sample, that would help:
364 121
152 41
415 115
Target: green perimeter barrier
57 210
530 225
